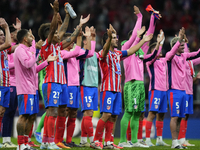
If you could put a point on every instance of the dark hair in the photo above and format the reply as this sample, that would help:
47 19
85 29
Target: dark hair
66 35
21 34
152 46
105 37
12 28
43 31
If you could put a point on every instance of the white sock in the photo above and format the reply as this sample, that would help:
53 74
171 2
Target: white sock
148 139
91 138
181 141
83 139
6 139
159 138
175 142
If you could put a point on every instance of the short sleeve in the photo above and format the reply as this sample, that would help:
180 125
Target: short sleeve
100 53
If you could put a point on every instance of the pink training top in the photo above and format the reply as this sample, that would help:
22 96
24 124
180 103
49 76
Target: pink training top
25 70
190 74
73 65
158 70
176 69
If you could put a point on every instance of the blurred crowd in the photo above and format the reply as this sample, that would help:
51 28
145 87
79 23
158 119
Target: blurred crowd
175 14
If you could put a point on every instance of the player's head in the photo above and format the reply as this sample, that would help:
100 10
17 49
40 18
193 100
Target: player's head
66 36
2 36
13 33
43 31
180 48
25 37
114 41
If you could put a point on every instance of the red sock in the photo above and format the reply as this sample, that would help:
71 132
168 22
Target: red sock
159 128
45 133
140 129
1 124
185 127
30 133
99 130
128 132
148 129
20 139
70 129
88 125
108 130
60 128
182 130
51 128
101 137
83 130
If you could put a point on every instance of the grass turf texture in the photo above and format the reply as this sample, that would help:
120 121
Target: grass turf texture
77 141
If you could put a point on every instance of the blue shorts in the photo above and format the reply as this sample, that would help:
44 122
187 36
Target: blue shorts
64 96
4 96
177 102
74 96
51 93
189 104
111 102
89 98
158 101
36 103
26 104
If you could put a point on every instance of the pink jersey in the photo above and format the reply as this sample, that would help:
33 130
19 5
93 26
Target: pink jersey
158 70
176 69
73 67
25 69
190 74
55 70
111 70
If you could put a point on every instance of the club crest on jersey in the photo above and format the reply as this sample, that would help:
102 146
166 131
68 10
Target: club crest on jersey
135 106
71 102
177 111
108 107
88 104
156 106
55 101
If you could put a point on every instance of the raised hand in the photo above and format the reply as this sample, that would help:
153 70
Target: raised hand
141 31
87 32
3 23
181 34
93 31
113 30
30 31
85 20
18 24
109 31
160 36
55 6
147 38
59 18
52 58
136 10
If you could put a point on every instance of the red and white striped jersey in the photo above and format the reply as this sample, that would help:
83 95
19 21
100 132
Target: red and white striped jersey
55 70
4 68
111 70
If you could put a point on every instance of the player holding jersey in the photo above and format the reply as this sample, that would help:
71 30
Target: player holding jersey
110 98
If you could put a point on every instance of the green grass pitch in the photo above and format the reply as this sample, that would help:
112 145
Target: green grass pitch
168 141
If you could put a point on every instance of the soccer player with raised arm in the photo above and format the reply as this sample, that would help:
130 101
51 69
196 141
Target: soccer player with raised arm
111 102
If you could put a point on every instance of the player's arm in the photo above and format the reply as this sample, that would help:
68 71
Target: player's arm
64 26
135 48
106 46
53 25
66 42
7 42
